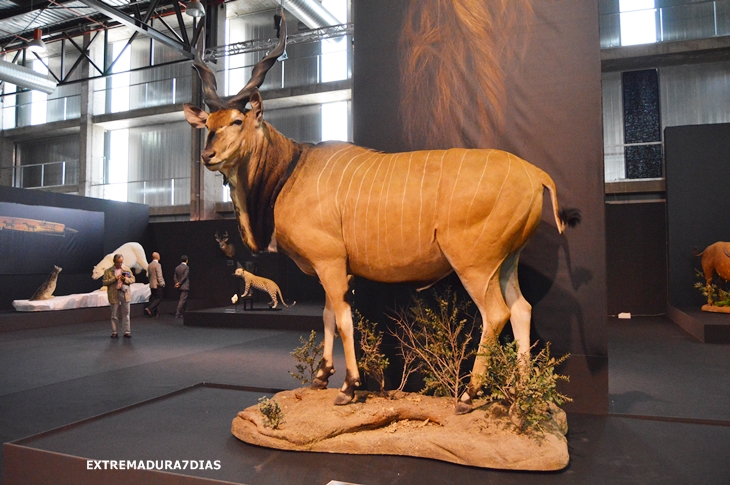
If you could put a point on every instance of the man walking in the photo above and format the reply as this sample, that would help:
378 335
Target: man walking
117 280
183 284
157 284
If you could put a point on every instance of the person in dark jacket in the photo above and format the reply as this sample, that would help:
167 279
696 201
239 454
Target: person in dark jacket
182 283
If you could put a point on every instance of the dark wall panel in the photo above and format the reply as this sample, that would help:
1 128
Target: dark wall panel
636 258
122 222
211 274
698 207
548 113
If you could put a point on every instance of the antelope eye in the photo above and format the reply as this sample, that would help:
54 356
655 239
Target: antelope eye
237 122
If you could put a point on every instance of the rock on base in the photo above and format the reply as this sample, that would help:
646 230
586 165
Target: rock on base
411 425
715 309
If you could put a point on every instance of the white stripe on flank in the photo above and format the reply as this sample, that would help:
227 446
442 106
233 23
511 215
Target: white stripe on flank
494 208
367 211
402 207
357 199
476 191
319 195
534 194
393 164
451 200
420 199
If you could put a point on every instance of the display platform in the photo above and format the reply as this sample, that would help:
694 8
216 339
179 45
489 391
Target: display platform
194 424
140 293
707 327
302 316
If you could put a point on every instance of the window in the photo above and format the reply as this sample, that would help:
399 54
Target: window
638 22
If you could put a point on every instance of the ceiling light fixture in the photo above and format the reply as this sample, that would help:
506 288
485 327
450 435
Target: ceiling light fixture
195 9
37 44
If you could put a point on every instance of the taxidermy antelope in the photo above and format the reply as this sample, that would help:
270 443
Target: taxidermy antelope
337 209
228 249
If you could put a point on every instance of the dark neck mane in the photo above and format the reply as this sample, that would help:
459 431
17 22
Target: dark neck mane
272 165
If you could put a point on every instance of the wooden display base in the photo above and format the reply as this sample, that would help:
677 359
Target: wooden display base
411 425
715 309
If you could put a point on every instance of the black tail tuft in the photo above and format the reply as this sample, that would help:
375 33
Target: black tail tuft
570 216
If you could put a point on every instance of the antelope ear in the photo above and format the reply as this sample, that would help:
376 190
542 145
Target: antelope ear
257 105
195 116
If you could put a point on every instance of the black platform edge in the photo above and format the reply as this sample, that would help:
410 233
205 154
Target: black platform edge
259 318
669 419
710 328
25 465
11 321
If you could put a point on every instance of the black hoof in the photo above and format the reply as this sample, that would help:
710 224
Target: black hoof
343 398
319 384
463 408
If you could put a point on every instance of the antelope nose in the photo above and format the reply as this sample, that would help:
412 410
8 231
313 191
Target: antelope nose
207 155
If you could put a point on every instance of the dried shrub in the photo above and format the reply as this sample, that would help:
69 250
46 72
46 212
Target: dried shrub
715 295
525 384
273 415
372 363
309 357
435 341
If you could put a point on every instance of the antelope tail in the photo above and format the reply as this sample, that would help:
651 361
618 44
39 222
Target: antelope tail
565 217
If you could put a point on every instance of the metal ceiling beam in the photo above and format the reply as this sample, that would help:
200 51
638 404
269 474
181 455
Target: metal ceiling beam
140 27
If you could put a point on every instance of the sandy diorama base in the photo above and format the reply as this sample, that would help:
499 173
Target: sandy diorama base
411 425
715 309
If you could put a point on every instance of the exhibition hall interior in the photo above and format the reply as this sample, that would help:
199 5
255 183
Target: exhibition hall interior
364 242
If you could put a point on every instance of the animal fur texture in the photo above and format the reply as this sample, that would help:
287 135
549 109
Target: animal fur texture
338 209
45 291
134 257
262 284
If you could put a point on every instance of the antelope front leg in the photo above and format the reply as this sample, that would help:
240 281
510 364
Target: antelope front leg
327 368
334 280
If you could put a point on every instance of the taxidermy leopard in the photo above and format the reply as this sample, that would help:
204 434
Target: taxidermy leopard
262 284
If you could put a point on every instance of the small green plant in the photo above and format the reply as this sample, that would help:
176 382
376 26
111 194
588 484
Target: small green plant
309 357
435 341
525 384
715 295
273 415
372 362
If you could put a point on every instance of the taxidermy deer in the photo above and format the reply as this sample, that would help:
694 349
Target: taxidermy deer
338 209
228 249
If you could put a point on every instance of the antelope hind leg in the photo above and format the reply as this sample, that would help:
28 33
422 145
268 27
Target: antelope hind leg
495 315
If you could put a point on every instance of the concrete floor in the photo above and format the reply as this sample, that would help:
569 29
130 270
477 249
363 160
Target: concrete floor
55 376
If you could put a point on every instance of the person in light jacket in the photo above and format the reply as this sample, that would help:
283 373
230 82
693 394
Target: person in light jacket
117 280
157 285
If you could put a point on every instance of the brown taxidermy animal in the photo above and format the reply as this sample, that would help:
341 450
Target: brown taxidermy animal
45 291
337 209
262 284
715 259
228 249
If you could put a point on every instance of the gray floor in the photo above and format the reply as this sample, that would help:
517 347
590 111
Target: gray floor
55 376
657 369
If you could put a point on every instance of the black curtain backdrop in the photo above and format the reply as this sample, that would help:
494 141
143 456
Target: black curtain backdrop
211 271
698 208
552 118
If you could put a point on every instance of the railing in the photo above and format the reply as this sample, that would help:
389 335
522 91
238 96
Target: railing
293 72
43 175
17 115
148 94
695 20
615 163
155 193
